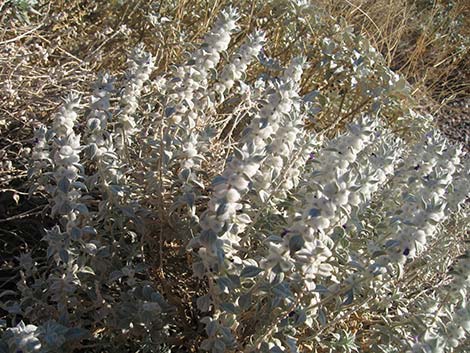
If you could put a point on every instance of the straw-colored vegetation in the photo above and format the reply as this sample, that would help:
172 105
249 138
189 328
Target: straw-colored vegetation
244 176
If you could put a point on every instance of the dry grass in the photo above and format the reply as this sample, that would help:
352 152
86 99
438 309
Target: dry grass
69 41
65 45
427 42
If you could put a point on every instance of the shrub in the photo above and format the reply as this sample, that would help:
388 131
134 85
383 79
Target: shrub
301 241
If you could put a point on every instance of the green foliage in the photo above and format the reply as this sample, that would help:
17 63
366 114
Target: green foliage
318 212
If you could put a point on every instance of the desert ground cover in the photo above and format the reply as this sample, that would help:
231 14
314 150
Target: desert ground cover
234 176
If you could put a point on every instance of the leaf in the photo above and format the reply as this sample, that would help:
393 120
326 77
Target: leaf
222 209
301 317
219 346
211 328
238 154
103 251
79 185
82 209
64 185
208 238
296 243
349 297
89 230
87 269
203 303
357 265
244 218
314 212
229 307
198 269
263 195
207 345
115 275
392 243
147 292
234 280
76 233
245 301
263 123
283 290
76 333
292 343
310 97
128 212
91 150
189 199
169 111
64 255
322 317
338 233
250 271
276 349
185 174
225 284
227 335
321 289
219 180
378 253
